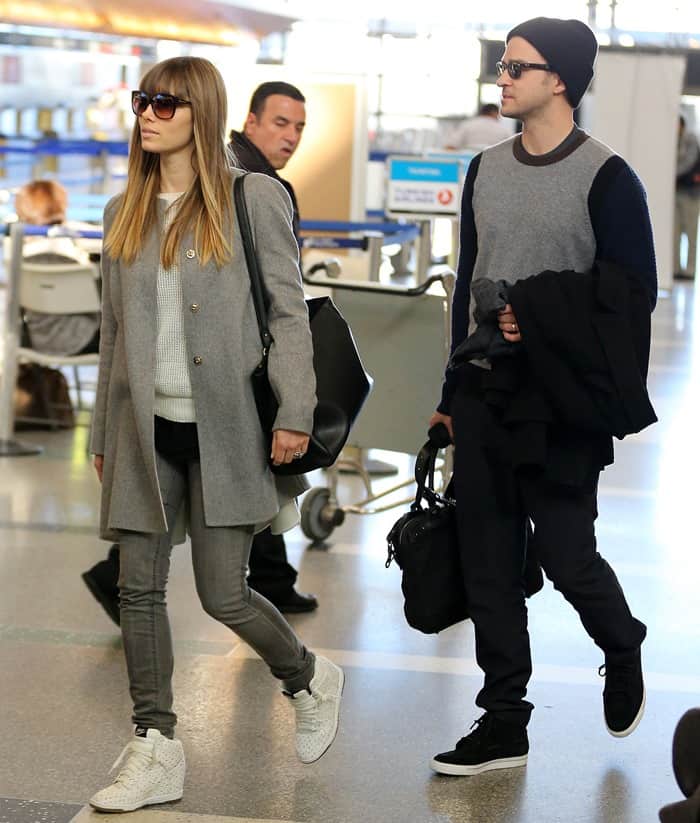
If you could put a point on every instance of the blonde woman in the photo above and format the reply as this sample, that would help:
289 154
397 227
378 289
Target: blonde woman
175 420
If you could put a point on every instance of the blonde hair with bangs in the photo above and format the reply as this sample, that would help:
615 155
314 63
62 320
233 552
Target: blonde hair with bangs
205 207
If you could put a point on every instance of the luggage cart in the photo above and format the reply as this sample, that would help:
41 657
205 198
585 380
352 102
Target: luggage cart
403 336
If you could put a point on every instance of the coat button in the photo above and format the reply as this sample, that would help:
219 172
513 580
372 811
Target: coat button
194 308
197 360
189 254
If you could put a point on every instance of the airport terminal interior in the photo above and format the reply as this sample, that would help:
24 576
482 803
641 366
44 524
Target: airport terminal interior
383 86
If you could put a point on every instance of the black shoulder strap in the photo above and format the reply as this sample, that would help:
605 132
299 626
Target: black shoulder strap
257 284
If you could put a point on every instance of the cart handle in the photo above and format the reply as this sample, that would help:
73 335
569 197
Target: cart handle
416 291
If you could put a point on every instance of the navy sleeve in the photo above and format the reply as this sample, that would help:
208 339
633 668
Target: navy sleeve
617 204
465 268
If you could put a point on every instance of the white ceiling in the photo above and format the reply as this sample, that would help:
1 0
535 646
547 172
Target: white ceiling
671 16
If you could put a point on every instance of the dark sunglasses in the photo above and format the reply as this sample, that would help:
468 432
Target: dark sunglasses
516 67
162 105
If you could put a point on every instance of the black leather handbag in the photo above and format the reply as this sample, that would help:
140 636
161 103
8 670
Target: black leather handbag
342 385
424 545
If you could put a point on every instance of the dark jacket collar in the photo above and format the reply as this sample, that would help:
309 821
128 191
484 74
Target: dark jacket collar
250 158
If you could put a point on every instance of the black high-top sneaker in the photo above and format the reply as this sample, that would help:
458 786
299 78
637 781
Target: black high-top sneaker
494 744
624 696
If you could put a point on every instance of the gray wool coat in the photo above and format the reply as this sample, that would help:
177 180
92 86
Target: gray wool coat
223 347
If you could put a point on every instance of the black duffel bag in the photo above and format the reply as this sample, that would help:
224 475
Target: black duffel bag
425 546
342 384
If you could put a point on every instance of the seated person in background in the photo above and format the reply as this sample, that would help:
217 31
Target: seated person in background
44 203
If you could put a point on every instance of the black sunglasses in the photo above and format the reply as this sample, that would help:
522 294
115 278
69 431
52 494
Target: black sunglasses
516 67
162 105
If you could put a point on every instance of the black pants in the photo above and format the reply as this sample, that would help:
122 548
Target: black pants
270 574
494 503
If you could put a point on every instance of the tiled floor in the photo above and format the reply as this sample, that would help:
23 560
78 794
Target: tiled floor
64 708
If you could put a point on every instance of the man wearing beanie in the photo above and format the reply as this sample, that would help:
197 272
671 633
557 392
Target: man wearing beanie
554 213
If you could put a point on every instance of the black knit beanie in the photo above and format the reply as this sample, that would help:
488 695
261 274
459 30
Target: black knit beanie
569 47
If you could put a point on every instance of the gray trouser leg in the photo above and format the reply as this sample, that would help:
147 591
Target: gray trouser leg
220 557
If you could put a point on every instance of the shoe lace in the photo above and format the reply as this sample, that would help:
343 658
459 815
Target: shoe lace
478 726
618 677
307 705
135 757
306 711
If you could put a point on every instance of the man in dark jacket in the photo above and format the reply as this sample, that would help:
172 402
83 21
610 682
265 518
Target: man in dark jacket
270 136
540 210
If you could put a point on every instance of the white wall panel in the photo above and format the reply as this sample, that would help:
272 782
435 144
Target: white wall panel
634 109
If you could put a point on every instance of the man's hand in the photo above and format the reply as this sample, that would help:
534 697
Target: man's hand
442 418
99 464
288 446
509 325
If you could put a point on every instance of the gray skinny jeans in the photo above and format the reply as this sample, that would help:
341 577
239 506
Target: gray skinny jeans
220 563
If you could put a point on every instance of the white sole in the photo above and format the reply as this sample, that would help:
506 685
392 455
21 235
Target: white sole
163 798
341 686
489 765
635 722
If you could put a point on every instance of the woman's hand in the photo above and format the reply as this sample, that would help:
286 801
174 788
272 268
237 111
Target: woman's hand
509 325
288 446
99 463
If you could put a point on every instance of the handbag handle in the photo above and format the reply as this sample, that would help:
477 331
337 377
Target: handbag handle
439 438
261 299
425 467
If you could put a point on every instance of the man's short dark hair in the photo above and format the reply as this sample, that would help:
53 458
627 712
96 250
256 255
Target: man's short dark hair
265 90
488 109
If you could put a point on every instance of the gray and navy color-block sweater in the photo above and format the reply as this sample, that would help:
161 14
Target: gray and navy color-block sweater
523 214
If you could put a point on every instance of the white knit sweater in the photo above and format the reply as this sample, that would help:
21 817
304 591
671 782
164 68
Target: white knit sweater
173 398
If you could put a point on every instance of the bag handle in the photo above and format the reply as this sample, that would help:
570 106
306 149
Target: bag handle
261 300
439 438
425 468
